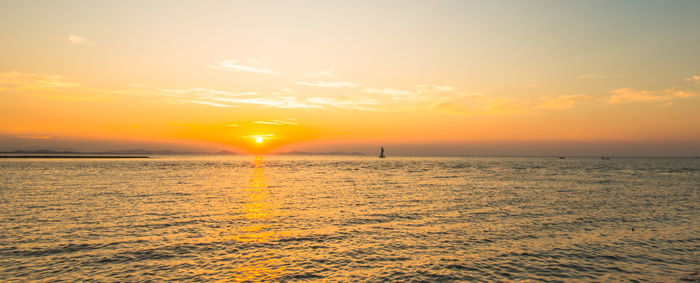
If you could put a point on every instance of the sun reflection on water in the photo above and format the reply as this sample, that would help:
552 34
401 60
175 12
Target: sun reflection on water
257 214
257 208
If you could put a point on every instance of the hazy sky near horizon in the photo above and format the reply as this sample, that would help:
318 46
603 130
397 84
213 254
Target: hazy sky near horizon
304 74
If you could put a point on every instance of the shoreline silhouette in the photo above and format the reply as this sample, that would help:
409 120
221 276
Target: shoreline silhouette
74 156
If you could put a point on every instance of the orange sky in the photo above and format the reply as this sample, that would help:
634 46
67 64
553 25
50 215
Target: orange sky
306 75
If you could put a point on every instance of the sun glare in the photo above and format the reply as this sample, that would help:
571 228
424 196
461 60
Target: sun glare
258 139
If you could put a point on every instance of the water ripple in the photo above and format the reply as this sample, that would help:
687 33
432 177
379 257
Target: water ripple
350 219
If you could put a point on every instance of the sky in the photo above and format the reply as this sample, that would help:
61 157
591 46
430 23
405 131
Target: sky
417 77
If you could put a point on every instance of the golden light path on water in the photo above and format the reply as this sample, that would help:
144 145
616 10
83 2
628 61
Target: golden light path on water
258 213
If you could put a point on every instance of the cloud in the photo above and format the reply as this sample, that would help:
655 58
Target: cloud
639 95
346 102
209 103
283 102
253 66
320 83
54 87
79 40
205 91
387 91
423 88
19 81
563 101
693 79
328 73
276 122
222 98
422 93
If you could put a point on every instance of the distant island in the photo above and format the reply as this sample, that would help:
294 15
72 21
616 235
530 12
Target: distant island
71 156
112 152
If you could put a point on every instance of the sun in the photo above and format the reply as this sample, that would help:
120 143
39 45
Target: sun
259 139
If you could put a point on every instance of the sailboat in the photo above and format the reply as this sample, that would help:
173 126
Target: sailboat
381 154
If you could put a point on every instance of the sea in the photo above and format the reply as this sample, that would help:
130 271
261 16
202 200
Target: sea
349 219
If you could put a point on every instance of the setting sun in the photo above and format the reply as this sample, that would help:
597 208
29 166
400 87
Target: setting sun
258 139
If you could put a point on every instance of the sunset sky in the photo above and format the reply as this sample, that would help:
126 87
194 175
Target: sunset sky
423 77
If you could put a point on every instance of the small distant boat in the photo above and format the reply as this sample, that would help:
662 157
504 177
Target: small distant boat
562 157
381 154
605 158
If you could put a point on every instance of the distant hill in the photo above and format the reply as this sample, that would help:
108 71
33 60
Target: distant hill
129 151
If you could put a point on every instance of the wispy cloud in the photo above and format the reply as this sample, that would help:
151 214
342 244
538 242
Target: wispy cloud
79 40
222 98
205 91
423 88
563 101
640 95
422 92
387 91
283 102
19 81
320 83
209 103
346 102
693 79
276 122
253 66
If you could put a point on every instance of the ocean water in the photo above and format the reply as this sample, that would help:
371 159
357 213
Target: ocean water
334 218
